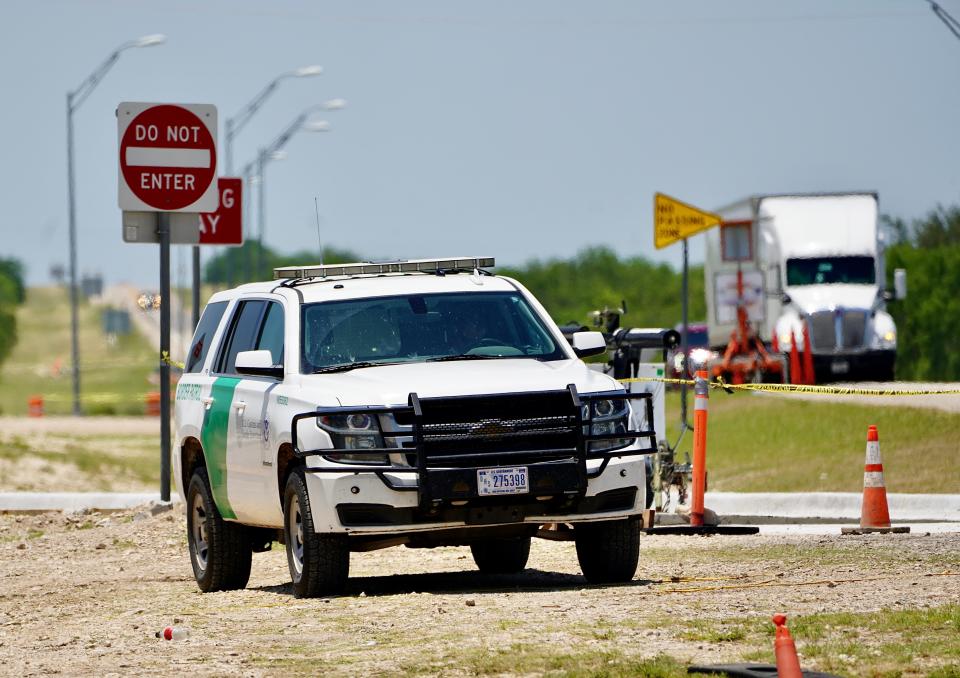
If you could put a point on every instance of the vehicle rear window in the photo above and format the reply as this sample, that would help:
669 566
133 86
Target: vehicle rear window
206 328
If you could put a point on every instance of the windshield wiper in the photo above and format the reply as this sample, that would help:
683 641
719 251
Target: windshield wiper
463 356
344 367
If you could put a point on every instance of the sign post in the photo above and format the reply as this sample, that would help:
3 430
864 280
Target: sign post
168 163
674 220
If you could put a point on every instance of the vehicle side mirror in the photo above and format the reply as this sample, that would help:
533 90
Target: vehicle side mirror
900 283
258 364
588 343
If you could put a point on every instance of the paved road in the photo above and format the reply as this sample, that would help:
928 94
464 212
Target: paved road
124 296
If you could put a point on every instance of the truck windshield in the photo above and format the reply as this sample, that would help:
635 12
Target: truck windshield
422 327
823 270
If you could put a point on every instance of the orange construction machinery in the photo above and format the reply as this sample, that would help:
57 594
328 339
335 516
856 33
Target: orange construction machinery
746 359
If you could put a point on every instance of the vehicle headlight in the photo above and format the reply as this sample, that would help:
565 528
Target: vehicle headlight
608 417
354 432
886 340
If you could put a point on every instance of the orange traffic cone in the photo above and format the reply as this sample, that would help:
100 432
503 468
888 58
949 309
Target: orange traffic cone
788 664
796 372
874 514
809 377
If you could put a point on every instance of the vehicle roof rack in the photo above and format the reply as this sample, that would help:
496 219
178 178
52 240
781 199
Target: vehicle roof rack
446 265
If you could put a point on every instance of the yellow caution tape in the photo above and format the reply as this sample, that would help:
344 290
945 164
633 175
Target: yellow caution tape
165 358
796 388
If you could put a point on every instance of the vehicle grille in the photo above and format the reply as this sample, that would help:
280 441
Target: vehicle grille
838 329
495 430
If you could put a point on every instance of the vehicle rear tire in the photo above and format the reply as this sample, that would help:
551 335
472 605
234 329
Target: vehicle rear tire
501 556
220 551
319 563
608 551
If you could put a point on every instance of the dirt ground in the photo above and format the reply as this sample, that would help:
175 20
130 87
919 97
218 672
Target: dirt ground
85 594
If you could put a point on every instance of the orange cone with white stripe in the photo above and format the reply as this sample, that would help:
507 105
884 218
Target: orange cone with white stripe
874 513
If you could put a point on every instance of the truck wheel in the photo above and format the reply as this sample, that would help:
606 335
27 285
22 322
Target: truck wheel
319 563
501 556
219 551
608 551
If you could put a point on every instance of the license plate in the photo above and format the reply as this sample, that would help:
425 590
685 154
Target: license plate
505 480
840 367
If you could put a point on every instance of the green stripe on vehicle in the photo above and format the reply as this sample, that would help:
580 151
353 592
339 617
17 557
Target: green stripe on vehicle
214 439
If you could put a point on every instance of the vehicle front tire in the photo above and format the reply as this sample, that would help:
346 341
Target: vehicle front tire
501 556
608 551
220 552
319 563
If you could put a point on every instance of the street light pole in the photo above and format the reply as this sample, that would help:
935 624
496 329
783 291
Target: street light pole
74 99
232 128
271 152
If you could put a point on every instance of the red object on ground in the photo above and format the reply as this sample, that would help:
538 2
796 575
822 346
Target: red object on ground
746 358
35 406
153 403
874 511
788 665
809 377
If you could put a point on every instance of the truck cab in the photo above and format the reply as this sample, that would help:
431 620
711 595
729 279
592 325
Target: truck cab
811 265
419 403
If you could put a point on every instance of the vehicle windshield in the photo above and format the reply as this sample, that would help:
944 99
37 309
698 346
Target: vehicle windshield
823 270
422 327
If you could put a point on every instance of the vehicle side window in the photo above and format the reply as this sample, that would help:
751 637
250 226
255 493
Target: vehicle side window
243 334
271 332
206 328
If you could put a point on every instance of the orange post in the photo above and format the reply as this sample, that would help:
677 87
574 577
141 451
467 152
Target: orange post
796 371
788 665
35 406
701 397
153 403
809 377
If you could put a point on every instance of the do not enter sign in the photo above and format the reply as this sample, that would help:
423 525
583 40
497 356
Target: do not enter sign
168 157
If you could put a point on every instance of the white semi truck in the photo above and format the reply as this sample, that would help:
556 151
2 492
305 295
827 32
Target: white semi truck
814 259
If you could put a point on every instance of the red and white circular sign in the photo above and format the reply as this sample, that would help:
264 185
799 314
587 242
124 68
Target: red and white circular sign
168 157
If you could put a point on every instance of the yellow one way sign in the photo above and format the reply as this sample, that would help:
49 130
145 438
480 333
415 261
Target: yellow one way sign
674 220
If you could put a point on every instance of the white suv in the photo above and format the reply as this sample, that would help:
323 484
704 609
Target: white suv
424 403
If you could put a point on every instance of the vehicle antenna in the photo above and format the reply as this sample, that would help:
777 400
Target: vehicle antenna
316 209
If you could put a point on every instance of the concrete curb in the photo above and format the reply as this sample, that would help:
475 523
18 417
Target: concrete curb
838 507
37 502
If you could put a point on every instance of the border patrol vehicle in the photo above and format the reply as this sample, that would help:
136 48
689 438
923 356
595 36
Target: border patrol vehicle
424 403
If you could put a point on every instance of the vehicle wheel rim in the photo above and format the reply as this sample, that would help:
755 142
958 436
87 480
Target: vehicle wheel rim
295 533
198 532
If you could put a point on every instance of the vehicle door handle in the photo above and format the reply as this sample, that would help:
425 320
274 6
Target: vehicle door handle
239 406
207 402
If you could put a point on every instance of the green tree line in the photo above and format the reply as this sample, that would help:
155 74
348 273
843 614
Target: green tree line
928 320
12 294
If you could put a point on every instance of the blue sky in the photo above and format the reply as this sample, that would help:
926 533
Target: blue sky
517 129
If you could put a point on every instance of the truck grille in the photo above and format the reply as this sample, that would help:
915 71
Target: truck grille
837 329
516 428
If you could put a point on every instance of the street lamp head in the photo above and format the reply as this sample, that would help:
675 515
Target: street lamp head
334 104
150 40
278 155
307 71
316 126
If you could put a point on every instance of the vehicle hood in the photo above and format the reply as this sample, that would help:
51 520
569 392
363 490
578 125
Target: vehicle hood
392 384
812 298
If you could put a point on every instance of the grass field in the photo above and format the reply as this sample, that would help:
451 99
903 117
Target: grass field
767 443
113 376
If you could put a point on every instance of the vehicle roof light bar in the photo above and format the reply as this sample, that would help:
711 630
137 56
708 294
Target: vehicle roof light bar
379 268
